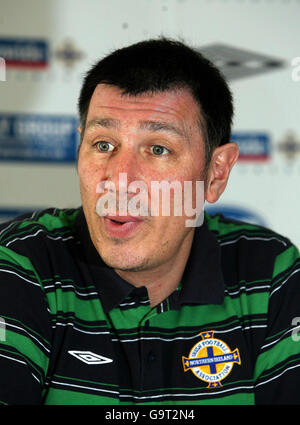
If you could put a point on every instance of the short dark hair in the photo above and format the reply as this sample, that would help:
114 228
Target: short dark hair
157 65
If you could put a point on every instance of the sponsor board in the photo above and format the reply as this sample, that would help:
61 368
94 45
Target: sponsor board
24 52
38 138
253 146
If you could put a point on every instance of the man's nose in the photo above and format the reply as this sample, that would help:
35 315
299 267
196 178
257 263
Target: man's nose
123 168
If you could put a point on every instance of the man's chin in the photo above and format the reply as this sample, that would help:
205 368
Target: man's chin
126 264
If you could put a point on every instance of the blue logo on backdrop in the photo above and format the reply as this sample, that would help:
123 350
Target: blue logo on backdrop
252 146
24 52
237 213
38 138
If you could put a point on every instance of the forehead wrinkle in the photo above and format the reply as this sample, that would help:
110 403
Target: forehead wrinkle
103 122
150 125
157 126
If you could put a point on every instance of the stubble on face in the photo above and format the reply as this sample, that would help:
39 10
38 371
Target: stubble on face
160 241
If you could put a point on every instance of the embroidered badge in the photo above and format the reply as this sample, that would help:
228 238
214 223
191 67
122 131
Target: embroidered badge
211 360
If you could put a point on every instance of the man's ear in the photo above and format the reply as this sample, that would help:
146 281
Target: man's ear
223 159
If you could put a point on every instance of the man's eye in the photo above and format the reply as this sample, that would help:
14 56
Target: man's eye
159 150
104 146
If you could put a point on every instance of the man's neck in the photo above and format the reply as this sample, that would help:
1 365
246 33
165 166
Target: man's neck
163 279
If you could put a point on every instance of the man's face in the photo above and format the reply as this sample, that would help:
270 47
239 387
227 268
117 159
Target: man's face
150 137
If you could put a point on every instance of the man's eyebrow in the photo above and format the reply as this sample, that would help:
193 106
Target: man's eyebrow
103 122
162 126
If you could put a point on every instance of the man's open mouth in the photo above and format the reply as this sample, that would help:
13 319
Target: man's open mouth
119 226
117 222
123 219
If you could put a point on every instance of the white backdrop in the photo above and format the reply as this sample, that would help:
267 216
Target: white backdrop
259 37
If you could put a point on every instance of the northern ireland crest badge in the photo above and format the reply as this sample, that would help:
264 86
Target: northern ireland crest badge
211 360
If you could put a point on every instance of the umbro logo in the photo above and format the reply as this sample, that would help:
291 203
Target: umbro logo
89 357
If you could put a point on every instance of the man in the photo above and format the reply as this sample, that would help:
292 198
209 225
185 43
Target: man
117 302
